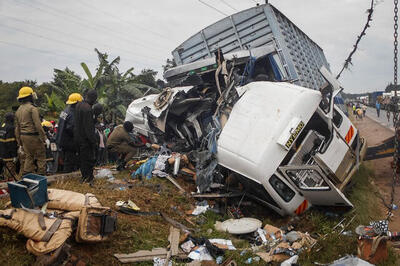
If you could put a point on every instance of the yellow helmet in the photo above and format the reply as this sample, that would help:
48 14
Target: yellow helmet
25 92
47 124
74 98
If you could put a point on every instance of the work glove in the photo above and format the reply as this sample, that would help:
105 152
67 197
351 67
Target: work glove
47 141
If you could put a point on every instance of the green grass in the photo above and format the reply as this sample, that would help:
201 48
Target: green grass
146 232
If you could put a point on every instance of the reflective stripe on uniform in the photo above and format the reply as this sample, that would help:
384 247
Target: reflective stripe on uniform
7 140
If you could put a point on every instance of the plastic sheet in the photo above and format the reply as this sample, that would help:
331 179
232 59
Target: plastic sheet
146 169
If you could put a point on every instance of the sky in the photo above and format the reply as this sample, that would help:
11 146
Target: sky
37 36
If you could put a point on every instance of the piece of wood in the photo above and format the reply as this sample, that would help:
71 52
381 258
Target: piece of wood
142 255
216 195
175 223
173 181
173 238
167 258
146 255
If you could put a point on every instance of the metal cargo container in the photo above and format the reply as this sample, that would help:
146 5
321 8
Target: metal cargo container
296 55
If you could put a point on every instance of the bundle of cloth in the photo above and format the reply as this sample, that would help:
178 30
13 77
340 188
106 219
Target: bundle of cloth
48 229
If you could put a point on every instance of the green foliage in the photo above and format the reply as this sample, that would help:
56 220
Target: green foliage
54 103
116 89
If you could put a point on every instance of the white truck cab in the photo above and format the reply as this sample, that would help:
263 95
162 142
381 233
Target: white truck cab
295 148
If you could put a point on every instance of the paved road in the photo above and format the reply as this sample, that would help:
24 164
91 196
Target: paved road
382 119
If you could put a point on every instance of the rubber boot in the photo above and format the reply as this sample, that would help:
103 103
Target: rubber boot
121 165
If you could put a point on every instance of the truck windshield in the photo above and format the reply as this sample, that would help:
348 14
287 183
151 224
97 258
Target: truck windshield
283 190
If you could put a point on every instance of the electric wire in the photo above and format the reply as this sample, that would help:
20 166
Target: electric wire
124 21
229 5
79 38
78 20
39 50
71 44
214 8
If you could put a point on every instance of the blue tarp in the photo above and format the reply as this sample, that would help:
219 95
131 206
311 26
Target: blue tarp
146 169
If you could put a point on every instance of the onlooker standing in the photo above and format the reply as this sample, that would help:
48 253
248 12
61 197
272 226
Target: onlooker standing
378 108
65 134
364 109
84 135
8 148
101 155
29 132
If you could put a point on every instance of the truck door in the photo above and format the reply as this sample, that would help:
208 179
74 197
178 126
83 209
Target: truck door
315 185
329 92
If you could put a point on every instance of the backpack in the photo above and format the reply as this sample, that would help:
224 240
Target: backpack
95 224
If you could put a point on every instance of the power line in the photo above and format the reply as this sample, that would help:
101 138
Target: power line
214 8
223 1
67 43
123 21
46 38
38 50
79 38
78 21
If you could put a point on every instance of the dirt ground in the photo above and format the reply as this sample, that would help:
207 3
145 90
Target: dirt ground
375 134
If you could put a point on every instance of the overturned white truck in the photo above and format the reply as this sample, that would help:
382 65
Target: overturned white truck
237 109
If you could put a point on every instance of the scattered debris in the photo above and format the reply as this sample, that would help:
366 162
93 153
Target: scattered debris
350 260
282 246
201 207
104 173
200 253
223 244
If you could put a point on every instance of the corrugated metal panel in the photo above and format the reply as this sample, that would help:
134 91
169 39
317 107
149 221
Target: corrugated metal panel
254 27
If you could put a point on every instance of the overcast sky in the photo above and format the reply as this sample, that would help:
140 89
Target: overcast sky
38 35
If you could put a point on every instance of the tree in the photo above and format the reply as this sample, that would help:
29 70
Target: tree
147 77
391 87
66 82
116 90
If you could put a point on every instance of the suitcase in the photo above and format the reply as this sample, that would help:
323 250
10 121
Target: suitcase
30 192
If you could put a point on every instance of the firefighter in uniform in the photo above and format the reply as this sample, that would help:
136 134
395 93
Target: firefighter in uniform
29 133
85 137
122 143
65 134
8 150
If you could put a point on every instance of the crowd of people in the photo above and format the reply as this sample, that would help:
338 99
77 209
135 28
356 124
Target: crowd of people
359 110
80 138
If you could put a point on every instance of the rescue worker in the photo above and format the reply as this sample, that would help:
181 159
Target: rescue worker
29 132
65 134
8 148
84 135
122 143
